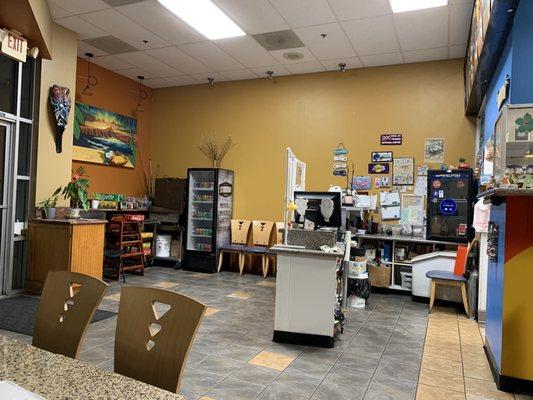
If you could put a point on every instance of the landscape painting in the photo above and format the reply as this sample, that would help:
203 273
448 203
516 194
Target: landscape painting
104 137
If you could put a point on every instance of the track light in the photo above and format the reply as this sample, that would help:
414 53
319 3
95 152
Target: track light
3 34
139 108
270 75
34 52
342 67
91 79
211 81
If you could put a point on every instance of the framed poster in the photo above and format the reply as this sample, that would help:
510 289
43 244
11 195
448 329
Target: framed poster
381 156
412 209
378 168
391 139
104 137
434 151
362 183
403 170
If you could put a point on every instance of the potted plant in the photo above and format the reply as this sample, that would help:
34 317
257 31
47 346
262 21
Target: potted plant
49 205
95 202
76 192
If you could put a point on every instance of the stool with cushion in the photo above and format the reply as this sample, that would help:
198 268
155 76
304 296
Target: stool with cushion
239 237
261 231
455 278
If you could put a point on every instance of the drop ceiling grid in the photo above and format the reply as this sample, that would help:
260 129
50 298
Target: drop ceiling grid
235 61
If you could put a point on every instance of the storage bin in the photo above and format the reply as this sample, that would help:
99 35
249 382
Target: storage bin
379 275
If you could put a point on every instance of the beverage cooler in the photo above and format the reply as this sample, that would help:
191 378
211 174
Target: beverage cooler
450 200
209 213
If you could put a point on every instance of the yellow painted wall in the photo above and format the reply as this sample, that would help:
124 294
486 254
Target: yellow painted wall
53 169
311 114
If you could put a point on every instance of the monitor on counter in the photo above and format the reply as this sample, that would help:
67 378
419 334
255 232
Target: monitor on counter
313 211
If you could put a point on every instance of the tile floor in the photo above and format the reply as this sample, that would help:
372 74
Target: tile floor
389 350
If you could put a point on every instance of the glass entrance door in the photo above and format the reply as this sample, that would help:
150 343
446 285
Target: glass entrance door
5 135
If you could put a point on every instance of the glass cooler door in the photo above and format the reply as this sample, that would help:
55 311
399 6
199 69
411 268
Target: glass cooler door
201 206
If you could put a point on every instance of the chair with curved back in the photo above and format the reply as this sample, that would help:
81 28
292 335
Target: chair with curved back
239 237
155 330
67 305
455 278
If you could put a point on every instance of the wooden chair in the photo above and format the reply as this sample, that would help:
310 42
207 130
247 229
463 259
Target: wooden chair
278 239
68 302
455 278
124 248
261 232
239 238
155 330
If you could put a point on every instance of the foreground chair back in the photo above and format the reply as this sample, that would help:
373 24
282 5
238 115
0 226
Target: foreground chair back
155 330
66 308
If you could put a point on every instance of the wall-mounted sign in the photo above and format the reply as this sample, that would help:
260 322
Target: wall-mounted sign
391 139
378 168
13 45
381 156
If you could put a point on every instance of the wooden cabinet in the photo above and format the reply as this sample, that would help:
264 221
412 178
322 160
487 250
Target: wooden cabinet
67 245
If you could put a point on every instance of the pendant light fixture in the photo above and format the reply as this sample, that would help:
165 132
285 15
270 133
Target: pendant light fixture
142 94
91 79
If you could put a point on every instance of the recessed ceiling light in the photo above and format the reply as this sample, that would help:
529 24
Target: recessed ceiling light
399 6
293 55
205 17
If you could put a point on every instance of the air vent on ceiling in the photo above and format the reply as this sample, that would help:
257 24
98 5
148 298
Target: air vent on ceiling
279 40
111 45
293 55
116 3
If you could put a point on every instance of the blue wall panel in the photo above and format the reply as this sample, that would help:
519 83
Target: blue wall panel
522 68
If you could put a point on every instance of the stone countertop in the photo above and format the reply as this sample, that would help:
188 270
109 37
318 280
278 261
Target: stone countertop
280 249
79 221
56 377
505 192
399 238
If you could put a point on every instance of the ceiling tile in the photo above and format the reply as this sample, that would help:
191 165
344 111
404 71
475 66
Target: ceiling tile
203 78
423 29
457 51
247 51
372 35
156 83
142 60
460 16
334 45
179 60
253 16
124 28
307 56
304 12
87 48
414 56
209 54
358 9
278 70
382 59
351 62
84 29
56 11
111 45
239 75
156 18
181 80
112 63
80 6
305 68
132 73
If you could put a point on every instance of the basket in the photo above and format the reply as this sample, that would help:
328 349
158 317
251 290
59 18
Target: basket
379 275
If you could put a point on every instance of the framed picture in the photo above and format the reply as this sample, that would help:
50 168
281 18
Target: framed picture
413 209
104 137
381 182
362 183
434 151
378 168
381 156
403 170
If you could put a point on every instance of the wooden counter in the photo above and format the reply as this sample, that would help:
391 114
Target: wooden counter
75 245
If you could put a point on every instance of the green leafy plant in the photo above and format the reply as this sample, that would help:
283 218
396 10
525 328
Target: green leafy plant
525 123
76 189
50 202
97 196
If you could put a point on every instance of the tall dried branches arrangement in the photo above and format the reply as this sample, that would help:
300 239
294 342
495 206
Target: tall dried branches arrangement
212 151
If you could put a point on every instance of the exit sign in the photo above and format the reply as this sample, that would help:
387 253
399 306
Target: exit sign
14 46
